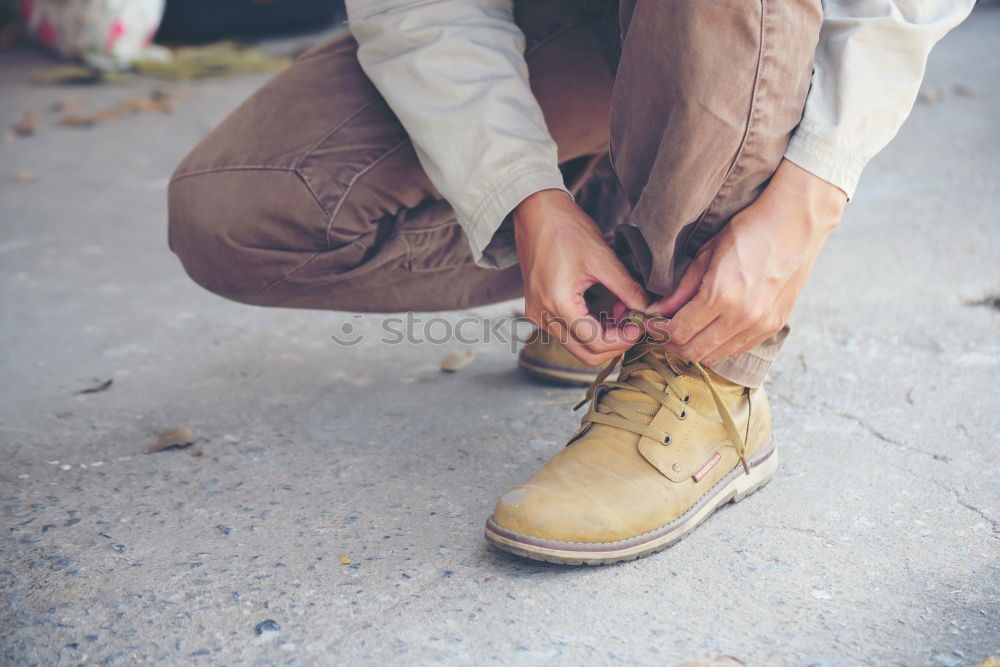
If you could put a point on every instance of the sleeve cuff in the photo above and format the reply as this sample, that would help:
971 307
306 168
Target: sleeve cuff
822 157
489 229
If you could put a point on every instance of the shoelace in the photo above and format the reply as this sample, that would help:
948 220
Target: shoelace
635 416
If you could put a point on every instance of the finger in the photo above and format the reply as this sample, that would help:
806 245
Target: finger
619 313
691 320
600 340
733 347
705 342
687 288
658 329
560 332
621 283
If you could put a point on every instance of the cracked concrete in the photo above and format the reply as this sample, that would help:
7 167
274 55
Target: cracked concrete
876 544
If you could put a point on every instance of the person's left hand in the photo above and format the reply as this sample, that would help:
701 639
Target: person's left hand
740 289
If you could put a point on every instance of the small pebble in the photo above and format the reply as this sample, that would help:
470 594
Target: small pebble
60 563
267 626
225 530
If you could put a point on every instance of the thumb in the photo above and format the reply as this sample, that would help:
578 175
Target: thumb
624 286
686 289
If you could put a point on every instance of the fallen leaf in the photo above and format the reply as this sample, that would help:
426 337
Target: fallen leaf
104 386
176 437
69 74
344 559
156 102
28 125
990 301
221 59
963 90
26 176
68 105
458 361
928 95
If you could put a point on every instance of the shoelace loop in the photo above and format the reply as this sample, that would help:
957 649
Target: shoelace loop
635 416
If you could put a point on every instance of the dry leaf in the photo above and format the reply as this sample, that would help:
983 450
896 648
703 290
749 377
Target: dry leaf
718 661
928 95
157 101
26 176
963 90
28 125
68 105
344 559
458 361
73 74
104 386
175 437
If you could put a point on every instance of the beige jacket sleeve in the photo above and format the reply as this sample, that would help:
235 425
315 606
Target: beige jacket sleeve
869 64
454 73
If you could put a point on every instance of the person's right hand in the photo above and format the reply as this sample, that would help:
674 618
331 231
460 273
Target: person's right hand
562 254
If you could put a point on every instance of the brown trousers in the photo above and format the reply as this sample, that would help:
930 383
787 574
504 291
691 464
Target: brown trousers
310 194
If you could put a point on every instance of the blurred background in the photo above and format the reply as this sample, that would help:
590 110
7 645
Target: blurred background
311 503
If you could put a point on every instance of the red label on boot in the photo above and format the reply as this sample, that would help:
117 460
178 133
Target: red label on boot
708 466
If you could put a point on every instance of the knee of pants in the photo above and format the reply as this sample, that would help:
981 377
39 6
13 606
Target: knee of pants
237 232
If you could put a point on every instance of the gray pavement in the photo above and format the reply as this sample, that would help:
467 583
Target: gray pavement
877 543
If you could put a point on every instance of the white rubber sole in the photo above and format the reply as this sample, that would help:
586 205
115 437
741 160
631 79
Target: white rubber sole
734 487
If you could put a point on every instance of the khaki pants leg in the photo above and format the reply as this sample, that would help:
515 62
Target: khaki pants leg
705 100
310 194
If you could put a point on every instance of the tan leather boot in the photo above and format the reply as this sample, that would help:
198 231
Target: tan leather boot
545 358
658 451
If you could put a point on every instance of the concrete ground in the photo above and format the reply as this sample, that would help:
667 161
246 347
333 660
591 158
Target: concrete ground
877 543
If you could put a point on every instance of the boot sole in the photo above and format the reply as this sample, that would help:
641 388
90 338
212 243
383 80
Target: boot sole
557 374
734 487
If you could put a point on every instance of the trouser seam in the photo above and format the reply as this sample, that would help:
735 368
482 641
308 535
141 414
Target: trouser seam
350 185
751 118
333 131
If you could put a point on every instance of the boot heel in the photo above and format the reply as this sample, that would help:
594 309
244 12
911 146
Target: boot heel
759 476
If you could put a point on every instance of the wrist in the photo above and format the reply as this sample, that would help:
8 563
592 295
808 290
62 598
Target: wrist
535 206
819 203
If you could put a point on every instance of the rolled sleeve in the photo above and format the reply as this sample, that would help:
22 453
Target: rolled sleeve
869 64
490 232
454 73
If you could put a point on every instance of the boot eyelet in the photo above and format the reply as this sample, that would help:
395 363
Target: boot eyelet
666 440
683 414
687 399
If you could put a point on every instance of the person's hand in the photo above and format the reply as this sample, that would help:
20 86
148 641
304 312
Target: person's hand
740 289
562 254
